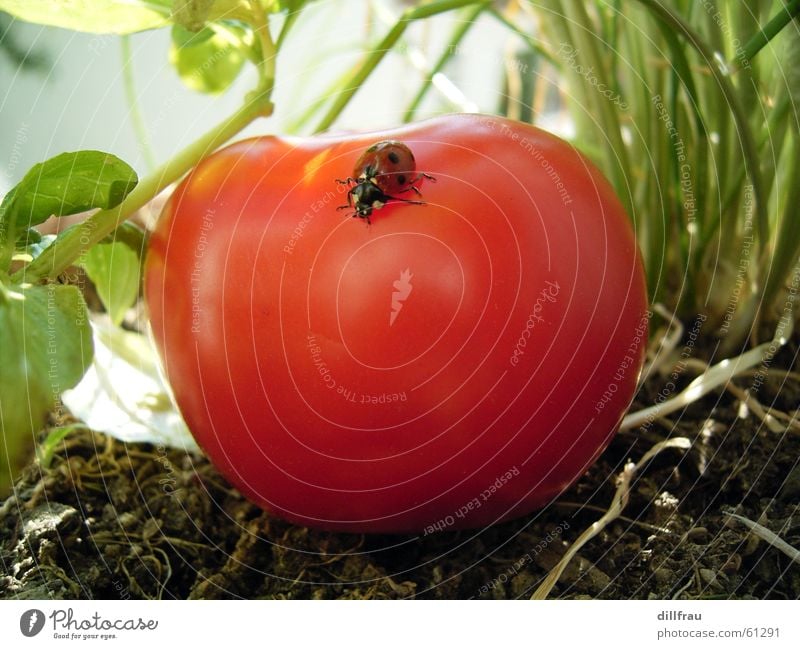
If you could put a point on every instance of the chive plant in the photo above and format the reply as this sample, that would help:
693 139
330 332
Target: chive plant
692 107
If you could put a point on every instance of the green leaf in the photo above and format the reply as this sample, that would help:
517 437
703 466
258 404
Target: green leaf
32 246
132 236
290 5
114 270
46 450
193 15
95 16
184 38
46 346
209 60
67 184
5 215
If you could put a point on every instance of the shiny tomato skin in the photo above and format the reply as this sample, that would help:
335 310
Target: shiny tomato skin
450 366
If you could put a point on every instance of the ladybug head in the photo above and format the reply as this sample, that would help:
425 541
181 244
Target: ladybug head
367 196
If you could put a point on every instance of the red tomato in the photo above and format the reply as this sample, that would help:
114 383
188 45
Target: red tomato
452 365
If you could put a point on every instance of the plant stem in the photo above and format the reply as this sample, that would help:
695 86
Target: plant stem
266 67
776 264
530 41
461 30
291 19
139 128
765 35
354 83
73 243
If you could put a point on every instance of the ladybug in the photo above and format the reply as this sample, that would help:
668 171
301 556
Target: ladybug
385 169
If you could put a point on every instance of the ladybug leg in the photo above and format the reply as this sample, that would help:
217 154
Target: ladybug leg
346 181
405 200
349 205
422 175
412 186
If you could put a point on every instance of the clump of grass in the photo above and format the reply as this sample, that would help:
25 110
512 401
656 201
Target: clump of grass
691 108
703 145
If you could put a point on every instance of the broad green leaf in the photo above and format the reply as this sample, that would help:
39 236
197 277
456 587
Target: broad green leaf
114 270
67 184
210 60
46 346
95 16
5 215
193 15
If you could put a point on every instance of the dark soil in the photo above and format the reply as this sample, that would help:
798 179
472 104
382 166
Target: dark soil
115 520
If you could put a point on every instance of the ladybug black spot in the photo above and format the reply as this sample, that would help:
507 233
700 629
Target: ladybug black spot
393 157
401 179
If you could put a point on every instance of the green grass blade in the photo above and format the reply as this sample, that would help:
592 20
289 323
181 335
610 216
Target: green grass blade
531 42
376 54
765 35
583 32
467 21
142 135
747 140
46 450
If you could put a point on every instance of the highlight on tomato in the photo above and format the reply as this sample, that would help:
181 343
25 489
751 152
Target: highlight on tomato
455 357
